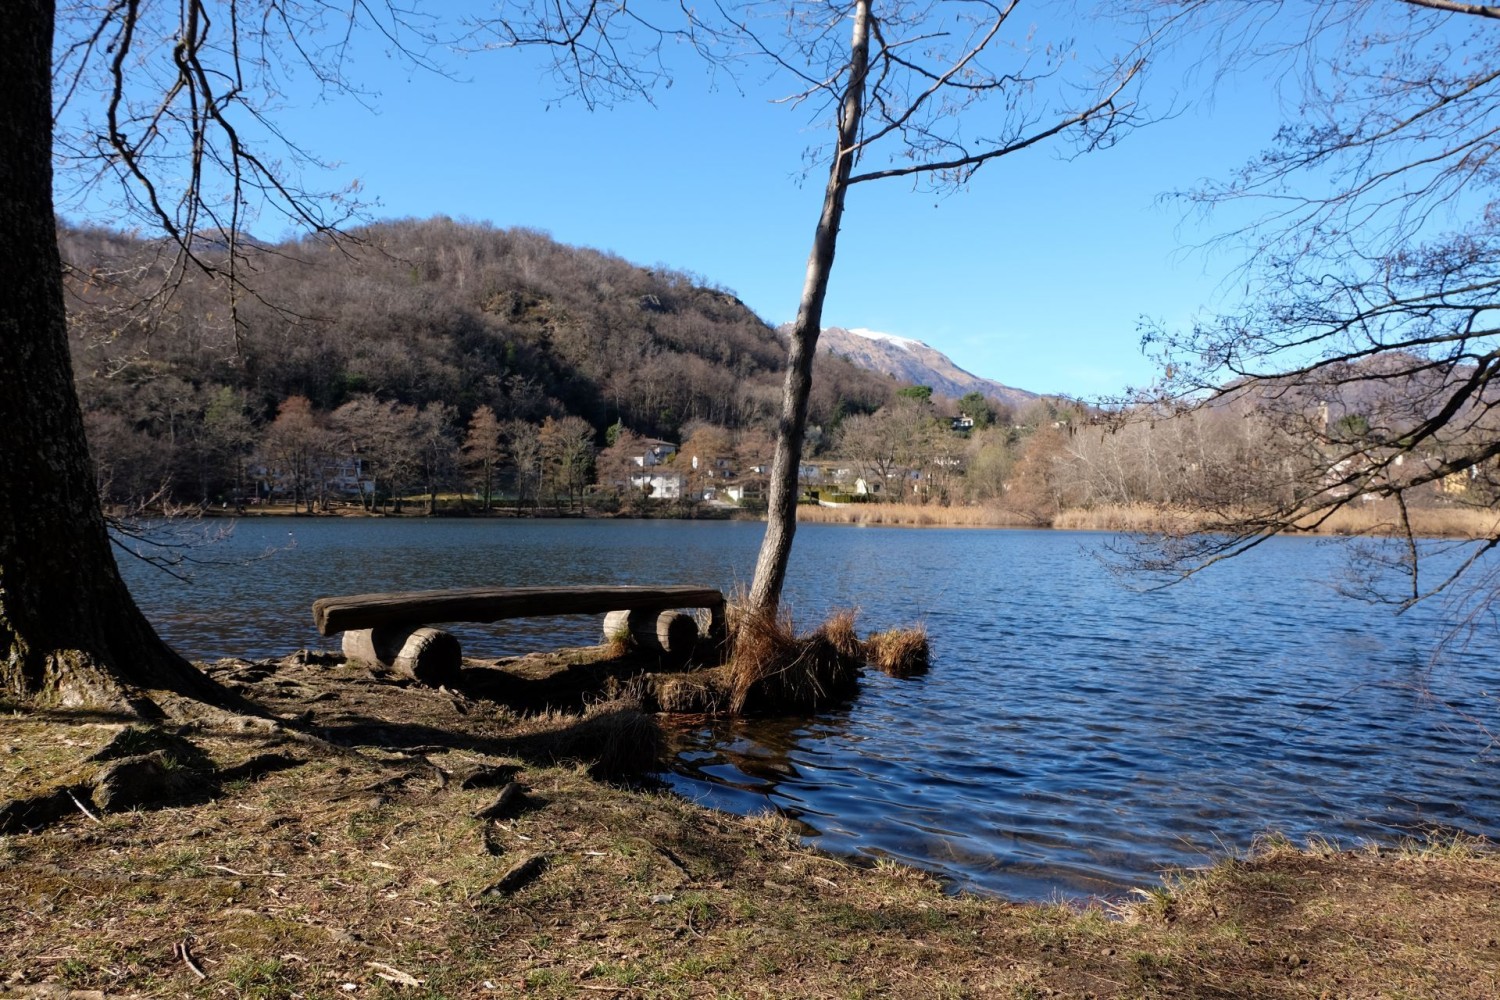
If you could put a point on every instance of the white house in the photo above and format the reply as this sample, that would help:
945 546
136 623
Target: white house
656 453
738 492
659 485
721 467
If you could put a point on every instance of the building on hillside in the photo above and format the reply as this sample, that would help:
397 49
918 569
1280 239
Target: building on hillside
719 468
659 485
657 453
750 489
347 476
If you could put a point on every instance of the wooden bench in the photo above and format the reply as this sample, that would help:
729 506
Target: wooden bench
392 628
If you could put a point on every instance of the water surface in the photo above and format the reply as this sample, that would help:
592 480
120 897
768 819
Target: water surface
1074 736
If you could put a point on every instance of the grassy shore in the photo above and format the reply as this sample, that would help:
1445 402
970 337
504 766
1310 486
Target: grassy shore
427 843
1366 519
1378 518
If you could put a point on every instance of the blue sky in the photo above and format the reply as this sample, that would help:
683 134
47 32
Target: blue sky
1036 275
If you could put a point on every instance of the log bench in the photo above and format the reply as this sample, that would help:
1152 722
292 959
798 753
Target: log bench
393 629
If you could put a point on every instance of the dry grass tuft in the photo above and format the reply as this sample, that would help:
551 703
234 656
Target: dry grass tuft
697 692
900 652
614 739
772 669
617 645
839 631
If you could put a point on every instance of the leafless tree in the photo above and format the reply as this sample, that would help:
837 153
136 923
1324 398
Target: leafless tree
1373 266
482 452
916 90
617 463
293 450
567 456
168 106
523 444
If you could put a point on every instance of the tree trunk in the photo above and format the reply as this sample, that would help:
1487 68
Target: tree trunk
781 513
70 634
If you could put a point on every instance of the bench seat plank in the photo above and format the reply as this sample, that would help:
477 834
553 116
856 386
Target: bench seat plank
491 604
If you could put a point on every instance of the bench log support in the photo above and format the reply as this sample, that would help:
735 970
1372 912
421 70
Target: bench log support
413 609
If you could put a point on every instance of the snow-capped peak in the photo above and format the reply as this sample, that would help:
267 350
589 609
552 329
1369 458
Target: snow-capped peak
906 343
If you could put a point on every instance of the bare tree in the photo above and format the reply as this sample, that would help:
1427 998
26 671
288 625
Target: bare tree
869 440
293 449
567 456
615 463
434 447
924 92
523 444
1373 269
168 106
482 451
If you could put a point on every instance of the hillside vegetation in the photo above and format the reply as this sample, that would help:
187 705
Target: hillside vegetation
177 387
436 357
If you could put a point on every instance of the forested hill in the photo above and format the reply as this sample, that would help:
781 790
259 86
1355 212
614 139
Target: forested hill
423 311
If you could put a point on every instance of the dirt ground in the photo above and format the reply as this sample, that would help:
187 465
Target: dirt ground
399 841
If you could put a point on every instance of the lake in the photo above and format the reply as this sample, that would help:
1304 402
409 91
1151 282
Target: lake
1074 736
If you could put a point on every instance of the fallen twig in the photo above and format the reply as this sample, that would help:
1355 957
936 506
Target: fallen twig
83 808
181 950
504 802
519 877
391 974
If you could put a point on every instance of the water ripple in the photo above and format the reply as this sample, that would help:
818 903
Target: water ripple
1072 738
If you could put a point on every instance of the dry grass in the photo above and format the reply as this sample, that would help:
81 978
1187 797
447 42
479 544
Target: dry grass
1126 517
696 692
612 739
1359 519
915 515
1428 522
771 669
899 652
838 630
617 643
363 869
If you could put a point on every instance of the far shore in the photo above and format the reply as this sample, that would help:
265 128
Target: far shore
1378 518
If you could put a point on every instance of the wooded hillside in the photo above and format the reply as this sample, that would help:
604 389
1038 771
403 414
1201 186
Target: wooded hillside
177 380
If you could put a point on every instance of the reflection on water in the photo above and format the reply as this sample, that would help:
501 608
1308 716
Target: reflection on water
1072 737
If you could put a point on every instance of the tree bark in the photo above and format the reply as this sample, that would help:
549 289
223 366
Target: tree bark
781 514
70 634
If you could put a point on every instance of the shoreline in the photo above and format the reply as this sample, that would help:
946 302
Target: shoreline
1372 520
425 840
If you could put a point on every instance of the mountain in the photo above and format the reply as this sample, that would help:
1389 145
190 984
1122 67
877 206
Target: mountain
912 361
411 316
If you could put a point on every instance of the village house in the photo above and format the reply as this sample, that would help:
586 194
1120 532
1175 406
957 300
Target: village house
657 453
659 485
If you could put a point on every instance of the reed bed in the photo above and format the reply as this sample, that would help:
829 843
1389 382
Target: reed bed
1357 519
1380 518
1428 522
1127 517
916 515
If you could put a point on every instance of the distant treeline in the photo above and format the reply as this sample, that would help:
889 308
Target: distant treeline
181 381
434 357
